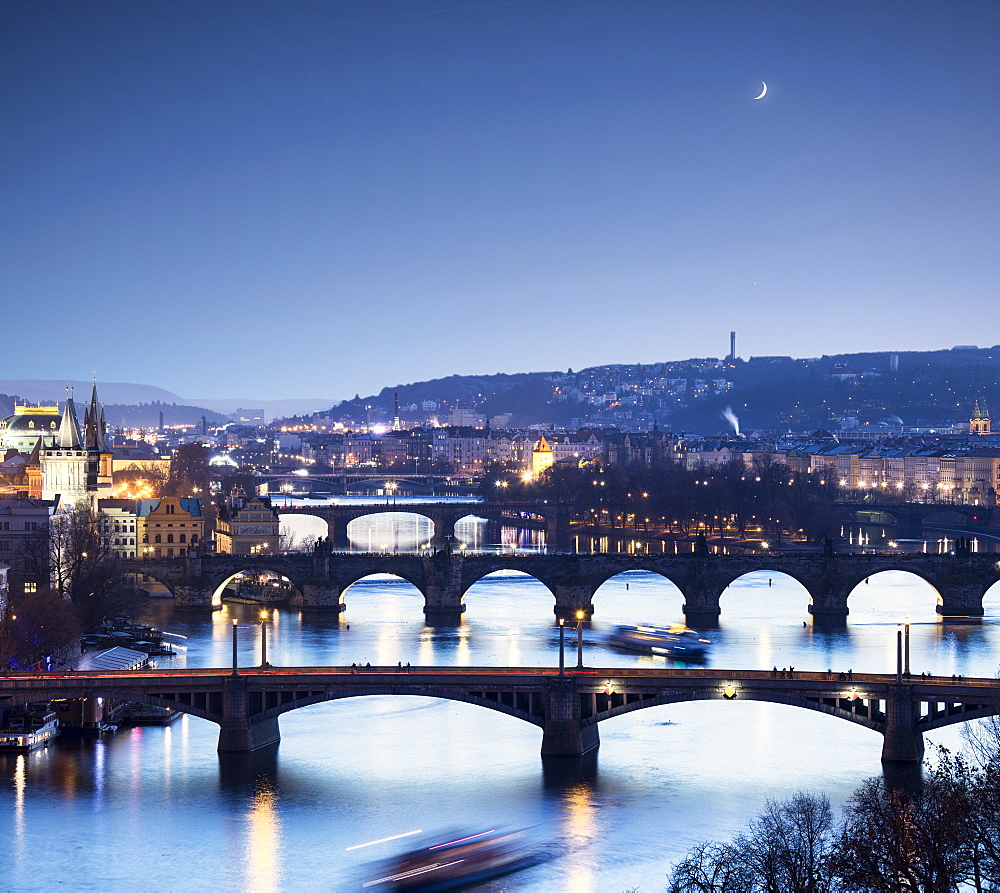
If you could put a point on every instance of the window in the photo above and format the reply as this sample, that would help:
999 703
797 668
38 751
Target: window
30 587
170 553
157 539
170 537
183 538
145 538
170 509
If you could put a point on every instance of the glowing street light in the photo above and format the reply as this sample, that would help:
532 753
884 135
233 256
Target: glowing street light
579 639
263 638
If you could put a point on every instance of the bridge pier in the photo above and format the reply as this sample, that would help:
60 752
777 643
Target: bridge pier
572 596
238 731
829 599
961 596
563 735
323 595
194 596
443 588
337 533
902 740
558 536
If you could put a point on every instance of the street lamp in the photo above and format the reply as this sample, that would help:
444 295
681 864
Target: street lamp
263 638
235 671
906 645
562 646
579 639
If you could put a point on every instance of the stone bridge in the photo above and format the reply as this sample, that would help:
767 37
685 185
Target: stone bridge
909 518
553 519
567 707
319 579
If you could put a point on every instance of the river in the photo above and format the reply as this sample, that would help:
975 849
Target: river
157 809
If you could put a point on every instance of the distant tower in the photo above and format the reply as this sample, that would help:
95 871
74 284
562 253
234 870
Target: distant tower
99 456
161 421
204 426
396 424
542 457
65 465
894 362
732 345
980 421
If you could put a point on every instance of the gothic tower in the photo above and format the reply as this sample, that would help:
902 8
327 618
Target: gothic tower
99 456
64 464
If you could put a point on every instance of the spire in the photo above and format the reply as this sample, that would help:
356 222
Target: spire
69 427
94 427
976 414
396 425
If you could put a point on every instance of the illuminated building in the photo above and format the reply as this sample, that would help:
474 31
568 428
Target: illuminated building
247 525
542 457
980 421
168 527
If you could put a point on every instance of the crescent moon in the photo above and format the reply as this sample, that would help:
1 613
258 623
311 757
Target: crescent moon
762 92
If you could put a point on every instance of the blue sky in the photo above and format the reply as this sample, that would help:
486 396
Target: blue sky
321 198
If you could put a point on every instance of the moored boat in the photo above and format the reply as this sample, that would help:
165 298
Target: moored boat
27 730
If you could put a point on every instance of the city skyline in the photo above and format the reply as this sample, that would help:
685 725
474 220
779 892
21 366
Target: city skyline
331 198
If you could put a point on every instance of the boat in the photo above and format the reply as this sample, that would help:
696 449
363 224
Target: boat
677 640
27 730
457 863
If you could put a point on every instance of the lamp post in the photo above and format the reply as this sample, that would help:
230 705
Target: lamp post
579 640
263 638
906 646
235 671
562 646
899 654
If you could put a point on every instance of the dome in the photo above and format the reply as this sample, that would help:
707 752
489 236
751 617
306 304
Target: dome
22 429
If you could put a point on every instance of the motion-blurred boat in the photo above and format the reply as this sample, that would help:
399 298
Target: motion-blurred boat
458 863
672 641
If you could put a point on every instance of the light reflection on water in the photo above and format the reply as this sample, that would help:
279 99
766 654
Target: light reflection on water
364 769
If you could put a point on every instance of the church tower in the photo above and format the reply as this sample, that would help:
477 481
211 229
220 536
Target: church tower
64 465
542 457
980 421
99 456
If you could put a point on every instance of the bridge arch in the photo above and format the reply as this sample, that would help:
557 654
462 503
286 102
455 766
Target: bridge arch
257 582
788 594
891 594
528 707
639 595
391 531
857 711
372 595
533 597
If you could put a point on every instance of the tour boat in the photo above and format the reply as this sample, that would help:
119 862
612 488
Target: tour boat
672 641
468 859
29 729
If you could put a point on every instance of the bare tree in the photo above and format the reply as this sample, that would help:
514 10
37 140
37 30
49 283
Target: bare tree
38 624
77 559
787 849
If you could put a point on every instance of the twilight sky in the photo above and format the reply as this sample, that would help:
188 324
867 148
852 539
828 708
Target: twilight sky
276 199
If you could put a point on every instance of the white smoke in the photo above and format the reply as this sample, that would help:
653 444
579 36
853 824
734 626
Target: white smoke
730 417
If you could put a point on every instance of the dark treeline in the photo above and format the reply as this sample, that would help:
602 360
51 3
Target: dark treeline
942 837
767 502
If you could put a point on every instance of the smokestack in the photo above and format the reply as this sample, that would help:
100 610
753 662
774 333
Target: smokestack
732 345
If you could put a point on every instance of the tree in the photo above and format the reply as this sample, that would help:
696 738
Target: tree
787 849
899 841
189 473
76 557
37 625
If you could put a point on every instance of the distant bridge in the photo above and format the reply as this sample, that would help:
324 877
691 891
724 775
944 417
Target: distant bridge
320 578
909 518
554 519
246 704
